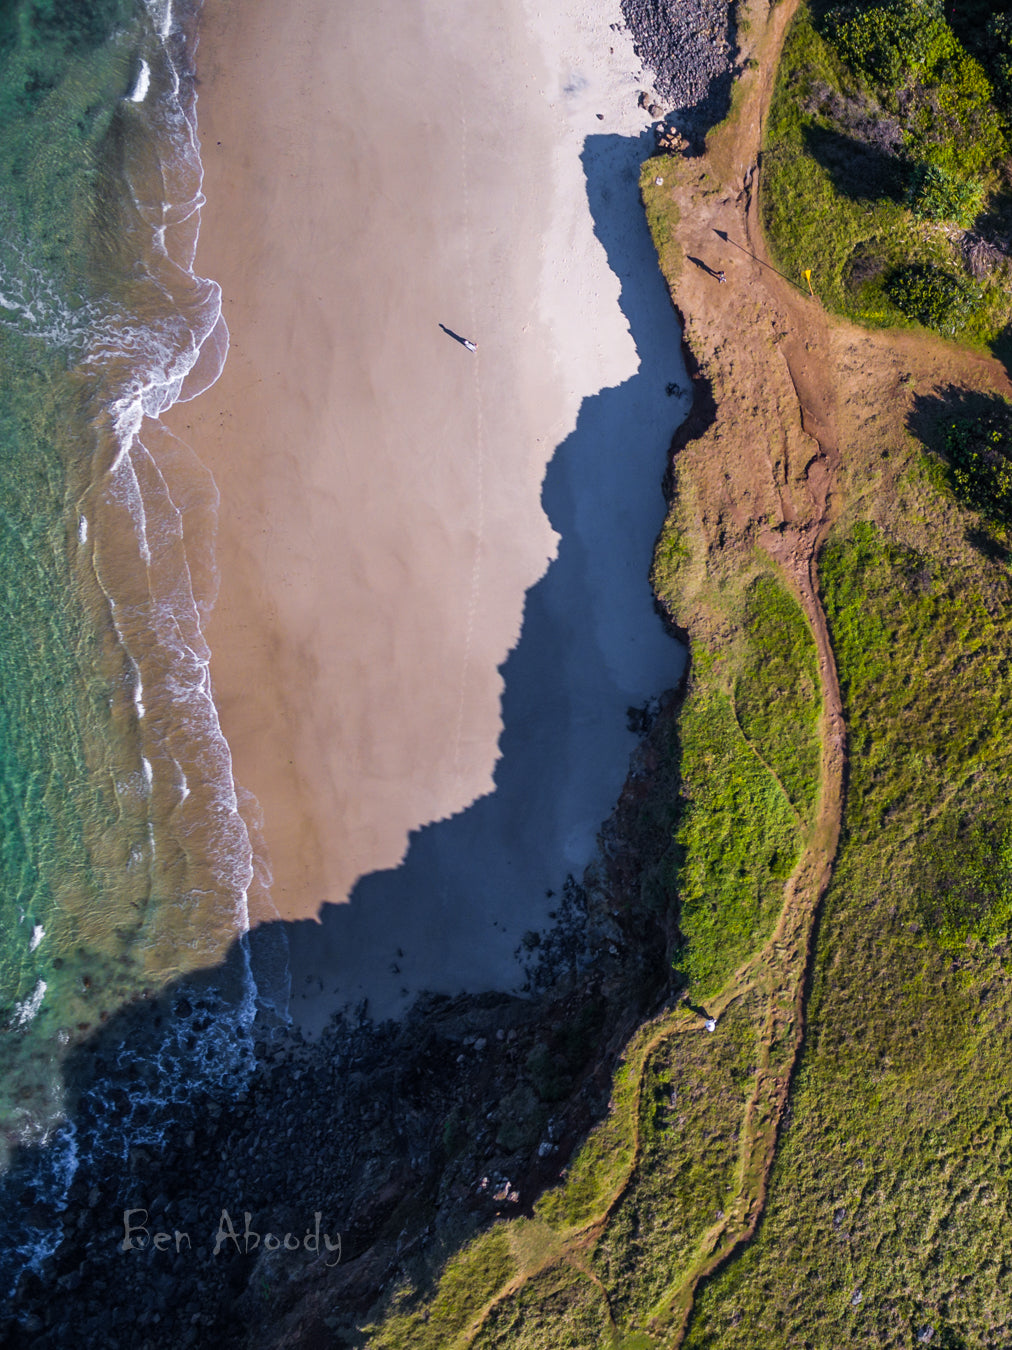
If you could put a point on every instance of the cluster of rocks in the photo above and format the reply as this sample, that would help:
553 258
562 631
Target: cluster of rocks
668 140
386 1132
689 46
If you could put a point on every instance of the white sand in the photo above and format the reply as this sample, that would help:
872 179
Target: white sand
384 169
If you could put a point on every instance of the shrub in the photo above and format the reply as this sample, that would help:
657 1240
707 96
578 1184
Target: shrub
947 111
933 194
953 123
548 1074
932 296
888 41
998 41
979 467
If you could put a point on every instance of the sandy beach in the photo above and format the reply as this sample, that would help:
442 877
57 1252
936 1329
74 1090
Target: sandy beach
433 602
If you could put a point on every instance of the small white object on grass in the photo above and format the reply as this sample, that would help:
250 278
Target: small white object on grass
711 1024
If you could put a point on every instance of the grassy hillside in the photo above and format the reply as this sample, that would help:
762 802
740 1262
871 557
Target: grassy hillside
885 167
890 1208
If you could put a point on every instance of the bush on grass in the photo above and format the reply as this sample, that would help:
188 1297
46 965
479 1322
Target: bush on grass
931 296
934 194
998 41
886 42
979 466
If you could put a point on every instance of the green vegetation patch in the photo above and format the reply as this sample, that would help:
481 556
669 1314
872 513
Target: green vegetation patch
560 1308
883 170
695 1090
662 214
975 452
933 194
740 838
604 1161
776 695
750 773
890 42
932 296
964 889
888 1211
750 759
469 1280
923 658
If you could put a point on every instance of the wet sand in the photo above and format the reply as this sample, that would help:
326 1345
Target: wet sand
376 177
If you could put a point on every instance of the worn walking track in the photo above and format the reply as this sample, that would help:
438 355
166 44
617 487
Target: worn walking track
798 421
801 405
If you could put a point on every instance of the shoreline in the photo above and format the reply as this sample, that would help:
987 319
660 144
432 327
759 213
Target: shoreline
335 565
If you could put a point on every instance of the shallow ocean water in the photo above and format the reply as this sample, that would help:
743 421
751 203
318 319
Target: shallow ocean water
123 859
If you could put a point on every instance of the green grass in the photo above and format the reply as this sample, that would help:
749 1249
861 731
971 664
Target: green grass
924 671
750 764
694 1093
841 180
739 838
561 1308
604 1161
749 754
470 1278
777 692
891 1180
686 1098
662 216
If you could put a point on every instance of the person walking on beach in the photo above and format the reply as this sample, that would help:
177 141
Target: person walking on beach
721 276
471 346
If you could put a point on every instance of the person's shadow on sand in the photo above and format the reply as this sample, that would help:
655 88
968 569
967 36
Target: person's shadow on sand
451 917
457 337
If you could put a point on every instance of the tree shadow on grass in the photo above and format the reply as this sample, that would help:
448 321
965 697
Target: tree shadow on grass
967 434
932 415
860 172
1001 348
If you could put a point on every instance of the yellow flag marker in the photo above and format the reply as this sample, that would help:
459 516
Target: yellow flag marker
808 277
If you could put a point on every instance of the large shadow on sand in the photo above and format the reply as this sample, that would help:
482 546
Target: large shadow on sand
162 1073
591 647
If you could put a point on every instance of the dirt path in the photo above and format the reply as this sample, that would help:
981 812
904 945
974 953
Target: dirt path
789 478
798 400
796 392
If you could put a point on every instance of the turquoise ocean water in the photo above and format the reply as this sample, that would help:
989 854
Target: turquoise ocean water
123 859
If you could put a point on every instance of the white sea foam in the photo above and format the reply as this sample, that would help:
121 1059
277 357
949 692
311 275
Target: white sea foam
38 933
144 367
175 355
138 691
32 304
25 1012
140 90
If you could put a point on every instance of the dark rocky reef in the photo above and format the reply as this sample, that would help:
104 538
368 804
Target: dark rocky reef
404 1137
